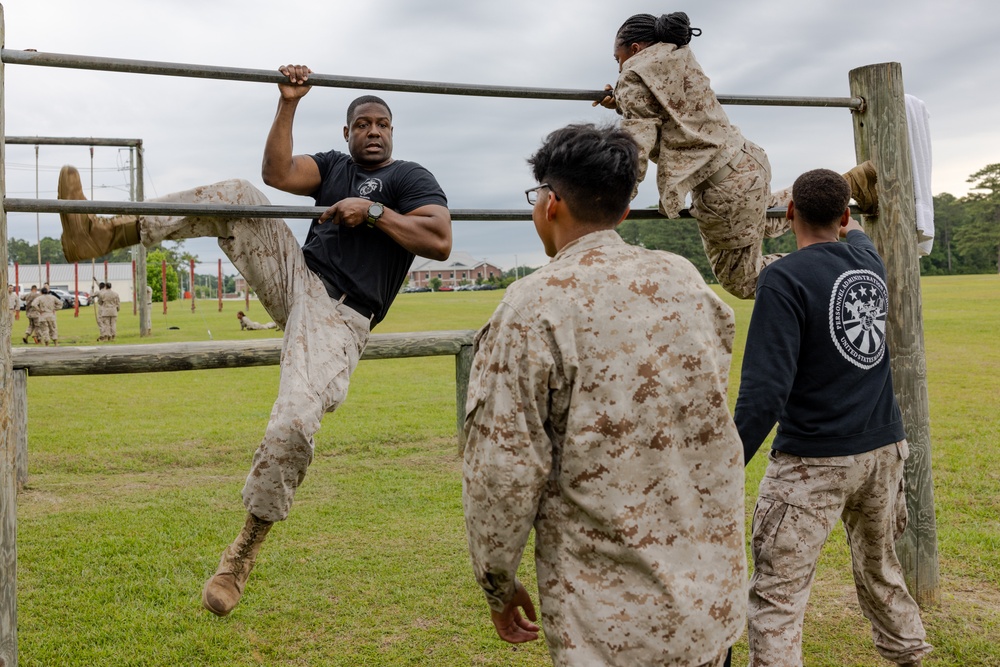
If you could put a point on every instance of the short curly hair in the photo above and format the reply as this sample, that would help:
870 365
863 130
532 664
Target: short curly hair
594 168
820 197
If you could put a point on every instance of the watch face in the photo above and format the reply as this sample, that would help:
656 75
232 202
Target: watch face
375 211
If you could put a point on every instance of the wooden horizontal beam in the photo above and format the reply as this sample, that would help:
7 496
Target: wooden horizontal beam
160 357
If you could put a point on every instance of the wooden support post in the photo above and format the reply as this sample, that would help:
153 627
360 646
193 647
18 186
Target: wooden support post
463 367
144 302
19 425
880 134
163 284
8 455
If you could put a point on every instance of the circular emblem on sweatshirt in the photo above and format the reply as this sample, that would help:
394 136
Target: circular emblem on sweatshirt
858 312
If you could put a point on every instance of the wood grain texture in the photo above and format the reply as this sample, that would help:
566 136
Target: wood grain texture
880 134
19 425
8 454
162 357
463 368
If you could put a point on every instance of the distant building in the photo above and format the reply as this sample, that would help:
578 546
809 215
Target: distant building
455 270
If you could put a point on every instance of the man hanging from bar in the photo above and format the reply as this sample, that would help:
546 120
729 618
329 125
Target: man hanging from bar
326 295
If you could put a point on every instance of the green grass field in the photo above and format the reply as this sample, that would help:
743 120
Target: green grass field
135 482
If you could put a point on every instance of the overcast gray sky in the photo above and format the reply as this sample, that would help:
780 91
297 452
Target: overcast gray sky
197 131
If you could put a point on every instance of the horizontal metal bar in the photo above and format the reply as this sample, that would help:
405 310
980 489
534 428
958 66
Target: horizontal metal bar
72 141
235 211
42 59
159 208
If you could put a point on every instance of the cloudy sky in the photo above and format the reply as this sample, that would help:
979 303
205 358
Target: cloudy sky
197 131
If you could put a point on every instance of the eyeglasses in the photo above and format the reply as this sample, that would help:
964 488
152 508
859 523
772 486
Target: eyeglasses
532 193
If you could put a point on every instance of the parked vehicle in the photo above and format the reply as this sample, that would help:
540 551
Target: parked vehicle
413 288
68 298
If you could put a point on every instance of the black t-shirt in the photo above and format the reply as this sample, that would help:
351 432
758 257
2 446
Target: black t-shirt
363 262
816 359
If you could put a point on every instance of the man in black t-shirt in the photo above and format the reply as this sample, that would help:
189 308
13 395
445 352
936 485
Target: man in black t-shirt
816 362
326 295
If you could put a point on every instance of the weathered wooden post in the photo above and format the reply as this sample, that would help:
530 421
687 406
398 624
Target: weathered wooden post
463 367
19 425
145 316
8 454
880 134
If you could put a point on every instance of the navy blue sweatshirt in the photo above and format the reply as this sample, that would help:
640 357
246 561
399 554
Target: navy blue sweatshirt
816 360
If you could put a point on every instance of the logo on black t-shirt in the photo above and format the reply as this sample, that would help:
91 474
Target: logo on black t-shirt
369 186
857 317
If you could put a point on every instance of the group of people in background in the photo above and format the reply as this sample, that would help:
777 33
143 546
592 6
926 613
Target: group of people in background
40 306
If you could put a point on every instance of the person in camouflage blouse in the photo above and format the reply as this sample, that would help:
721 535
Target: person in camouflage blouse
668 105
597 414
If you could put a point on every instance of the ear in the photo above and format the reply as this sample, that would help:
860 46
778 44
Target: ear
845 217
622 219
790 214
347 133
551 204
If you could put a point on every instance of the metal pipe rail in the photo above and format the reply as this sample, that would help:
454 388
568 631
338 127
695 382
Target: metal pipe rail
272 211
43 59
72 141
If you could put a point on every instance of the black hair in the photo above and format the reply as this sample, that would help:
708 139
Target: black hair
365 99
108 285
821 197
672 28
594 169
100 285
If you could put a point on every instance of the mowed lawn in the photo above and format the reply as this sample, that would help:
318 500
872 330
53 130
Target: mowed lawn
135 481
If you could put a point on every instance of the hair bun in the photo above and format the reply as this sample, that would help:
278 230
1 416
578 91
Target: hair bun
675 28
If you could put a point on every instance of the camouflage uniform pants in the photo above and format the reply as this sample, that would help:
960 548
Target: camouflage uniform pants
322 344
800 501
32 326
46 328
106 327
732 219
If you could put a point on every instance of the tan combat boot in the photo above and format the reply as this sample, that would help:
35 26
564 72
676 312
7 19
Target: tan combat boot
223 591
85 235
862 180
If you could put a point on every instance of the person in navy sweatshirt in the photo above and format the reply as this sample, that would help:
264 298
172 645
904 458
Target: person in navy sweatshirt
816 362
